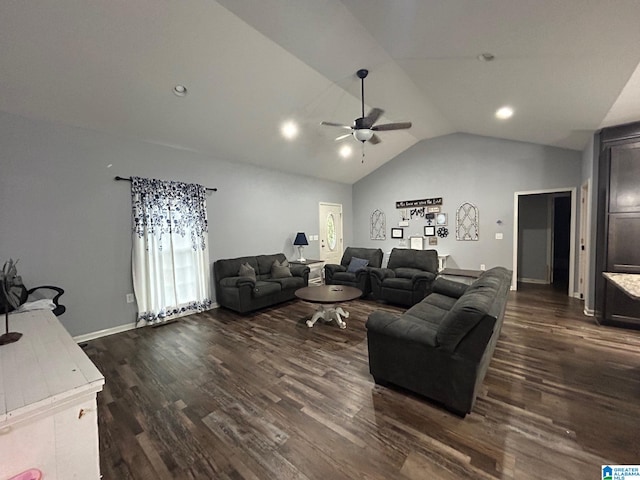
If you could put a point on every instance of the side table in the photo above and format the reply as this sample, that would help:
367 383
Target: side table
316 267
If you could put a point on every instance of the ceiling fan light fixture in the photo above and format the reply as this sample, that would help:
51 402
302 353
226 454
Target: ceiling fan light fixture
289 130
363 134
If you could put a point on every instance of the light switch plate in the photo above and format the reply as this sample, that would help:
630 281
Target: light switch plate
498 236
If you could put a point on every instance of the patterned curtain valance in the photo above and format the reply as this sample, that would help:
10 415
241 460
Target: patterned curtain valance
162 207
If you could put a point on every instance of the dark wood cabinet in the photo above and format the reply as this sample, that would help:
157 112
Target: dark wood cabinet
618 228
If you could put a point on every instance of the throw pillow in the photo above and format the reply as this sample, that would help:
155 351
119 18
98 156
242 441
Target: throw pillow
357 264
247 270
280 270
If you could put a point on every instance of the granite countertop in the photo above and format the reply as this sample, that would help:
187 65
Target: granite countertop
629 283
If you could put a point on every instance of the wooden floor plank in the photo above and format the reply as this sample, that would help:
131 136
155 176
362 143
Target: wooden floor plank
262 396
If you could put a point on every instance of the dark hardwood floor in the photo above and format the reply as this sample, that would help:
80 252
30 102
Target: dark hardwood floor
218 395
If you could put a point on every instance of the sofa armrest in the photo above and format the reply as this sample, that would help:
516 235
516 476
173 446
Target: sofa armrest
362 274
450 288
426 277
381 273
237 282
330 270
402 328
299 270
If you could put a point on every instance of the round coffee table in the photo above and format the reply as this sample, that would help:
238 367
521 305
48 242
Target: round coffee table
327 296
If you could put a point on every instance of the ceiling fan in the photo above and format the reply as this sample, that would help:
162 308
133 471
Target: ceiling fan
364 128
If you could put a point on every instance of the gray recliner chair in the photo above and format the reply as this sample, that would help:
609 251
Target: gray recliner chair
354 275
408 277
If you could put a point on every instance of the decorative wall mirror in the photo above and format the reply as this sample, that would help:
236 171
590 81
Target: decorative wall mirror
378 225
467 222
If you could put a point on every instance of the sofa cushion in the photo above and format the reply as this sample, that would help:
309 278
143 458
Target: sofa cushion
463 316
287 283
264 288
428 313
247 270
265 262
424 260
443 302
407 272
357 264
372 255
280 269
398 283
344 277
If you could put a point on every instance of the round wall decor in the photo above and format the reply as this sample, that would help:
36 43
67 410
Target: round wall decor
443 232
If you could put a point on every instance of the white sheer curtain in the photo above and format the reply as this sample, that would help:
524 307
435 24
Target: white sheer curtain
170 253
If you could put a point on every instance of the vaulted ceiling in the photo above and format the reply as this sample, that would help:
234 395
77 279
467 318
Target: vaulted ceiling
566 67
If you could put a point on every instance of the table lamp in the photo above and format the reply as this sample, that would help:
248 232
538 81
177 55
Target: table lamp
300 242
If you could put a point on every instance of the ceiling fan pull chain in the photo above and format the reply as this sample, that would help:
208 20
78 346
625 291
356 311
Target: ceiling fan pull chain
362 153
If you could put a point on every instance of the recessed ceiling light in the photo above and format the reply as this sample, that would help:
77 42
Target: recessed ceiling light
180 90
486 57
345 151
504 113
289 130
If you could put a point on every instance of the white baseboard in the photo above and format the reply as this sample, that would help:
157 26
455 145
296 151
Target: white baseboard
103 333
111 331
577 295
589 312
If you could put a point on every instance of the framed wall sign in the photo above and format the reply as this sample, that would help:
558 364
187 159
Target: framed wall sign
397 233
429 231
416 243
441 218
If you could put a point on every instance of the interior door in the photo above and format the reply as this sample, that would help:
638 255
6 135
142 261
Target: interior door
331 247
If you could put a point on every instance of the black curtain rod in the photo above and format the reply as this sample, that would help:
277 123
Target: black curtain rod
128 179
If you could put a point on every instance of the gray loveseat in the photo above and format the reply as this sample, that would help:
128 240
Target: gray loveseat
441 347
244 294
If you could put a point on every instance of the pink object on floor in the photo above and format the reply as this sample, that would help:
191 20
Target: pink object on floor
31 474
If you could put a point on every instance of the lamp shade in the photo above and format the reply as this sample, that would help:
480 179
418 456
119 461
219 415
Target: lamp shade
301 239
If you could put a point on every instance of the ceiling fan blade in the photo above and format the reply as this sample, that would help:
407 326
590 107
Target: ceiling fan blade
392 126
372 116
333 124
342 137
375 139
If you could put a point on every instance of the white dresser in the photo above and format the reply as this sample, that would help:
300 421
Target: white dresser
48 411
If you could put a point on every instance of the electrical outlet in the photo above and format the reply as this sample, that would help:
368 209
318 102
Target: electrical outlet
130 298
482 266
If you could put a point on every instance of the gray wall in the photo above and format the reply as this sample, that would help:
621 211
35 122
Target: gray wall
67 220
461 167
533 233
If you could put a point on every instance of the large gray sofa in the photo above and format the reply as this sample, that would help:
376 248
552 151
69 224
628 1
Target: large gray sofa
441 347
343 275
244 294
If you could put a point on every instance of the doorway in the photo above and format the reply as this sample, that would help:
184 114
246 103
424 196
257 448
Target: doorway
544 238
331 247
